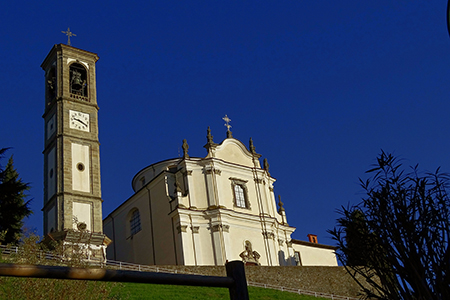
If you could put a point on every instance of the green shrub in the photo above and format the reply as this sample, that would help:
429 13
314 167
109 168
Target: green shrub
34 253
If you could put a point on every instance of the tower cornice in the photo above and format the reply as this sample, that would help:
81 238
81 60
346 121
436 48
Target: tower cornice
69 49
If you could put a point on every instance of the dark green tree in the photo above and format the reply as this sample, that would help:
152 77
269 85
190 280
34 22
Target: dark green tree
396 241
13 205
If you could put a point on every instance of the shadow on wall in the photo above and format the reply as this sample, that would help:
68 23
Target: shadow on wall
290 261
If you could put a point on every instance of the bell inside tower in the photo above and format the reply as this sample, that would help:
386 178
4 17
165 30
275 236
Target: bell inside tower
78 80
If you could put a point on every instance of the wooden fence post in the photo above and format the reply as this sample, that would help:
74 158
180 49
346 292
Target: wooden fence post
236 270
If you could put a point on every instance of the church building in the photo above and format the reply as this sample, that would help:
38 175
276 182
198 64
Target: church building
184 211
207 211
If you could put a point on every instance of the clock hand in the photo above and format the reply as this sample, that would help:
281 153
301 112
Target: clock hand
80 121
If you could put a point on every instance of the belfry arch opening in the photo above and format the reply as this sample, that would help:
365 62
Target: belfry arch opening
78 80
51 85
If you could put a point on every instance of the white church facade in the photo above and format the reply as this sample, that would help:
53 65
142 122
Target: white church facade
207 211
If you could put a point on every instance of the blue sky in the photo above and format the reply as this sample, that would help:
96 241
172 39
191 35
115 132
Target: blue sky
320 86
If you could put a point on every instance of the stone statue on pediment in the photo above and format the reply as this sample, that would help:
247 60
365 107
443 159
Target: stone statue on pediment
250 257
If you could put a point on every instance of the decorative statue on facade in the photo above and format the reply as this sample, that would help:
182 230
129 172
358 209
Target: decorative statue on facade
280 204
250 257
185 147
209 137
252 147
266 166
81 226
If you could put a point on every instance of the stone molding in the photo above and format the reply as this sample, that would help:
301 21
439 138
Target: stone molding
182 228
237 180
213 170
218 227
260 180
268 235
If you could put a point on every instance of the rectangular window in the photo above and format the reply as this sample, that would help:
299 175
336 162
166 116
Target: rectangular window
135 222
240 197
240 193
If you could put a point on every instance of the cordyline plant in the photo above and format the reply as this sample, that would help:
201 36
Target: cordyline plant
397 238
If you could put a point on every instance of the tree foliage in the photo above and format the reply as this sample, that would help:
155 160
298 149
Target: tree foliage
13 207
397 238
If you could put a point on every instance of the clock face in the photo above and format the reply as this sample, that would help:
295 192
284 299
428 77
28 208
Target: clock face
79 120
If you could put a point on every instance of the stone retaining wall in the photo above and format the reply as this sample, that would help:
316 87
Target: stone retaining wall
331 280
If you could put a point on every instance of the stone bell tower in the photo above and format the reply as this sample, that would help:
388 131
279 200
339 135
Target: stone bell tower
72 193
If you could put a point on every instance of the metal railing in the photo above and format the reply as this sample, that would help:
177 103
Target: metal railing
300 291
235 280
145 268
126 266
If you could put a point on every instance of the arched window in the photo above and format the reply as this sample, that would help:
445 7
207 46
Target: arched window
51 85
135 222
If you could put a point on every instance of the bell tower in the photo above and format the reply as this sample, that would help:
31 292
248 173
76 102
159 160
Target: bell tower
72 193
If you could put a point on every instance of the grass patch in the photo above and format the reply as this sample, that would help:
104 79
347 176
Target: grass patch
57 289
37 288
138 291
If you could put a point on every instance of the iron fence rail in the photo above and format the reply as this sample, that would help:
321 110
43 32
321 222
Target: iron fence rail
102 274
235 280
126 266
300 291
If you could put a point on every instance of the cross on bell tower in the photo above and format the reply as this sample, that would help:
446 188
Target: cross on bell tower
69 34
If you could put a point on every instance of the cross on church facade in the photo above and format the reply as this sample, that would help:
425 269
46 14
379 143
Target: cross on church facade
69 34
227 120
